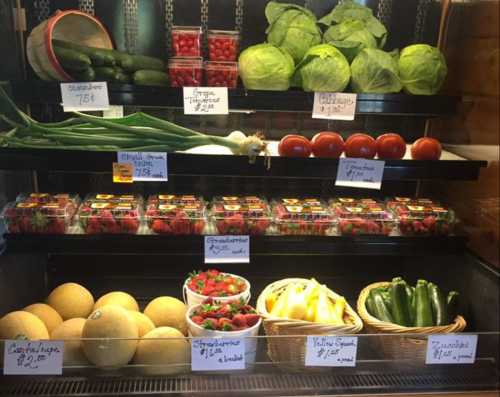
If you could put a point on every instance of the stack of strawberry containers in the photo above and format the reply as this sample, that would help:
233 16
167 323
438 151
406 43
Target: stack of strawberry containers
186 67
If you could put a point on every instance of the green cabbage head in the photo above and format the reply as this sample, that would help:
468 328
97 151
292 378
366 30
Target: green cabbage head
349 11
350 37
323 68
375 72
422 69
266 67
292 27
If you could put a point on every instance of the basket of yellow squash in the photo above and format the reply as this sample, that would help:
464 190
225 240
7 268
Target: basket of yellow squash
294 308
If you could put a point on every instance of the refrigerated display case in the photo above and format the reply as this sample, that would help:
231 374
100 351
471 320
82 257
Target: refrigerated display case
209 189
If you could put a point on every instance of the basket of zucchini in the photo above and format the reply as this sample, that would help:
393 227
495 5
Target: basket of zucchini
398 308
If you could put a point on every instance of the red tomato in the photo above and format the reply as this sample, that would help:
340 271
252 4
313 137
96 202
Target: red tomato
294 146
327 144
426 149
391 146
360 145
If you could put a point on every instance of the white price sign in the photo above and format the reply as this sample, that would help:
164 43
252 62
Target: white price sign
334 106
205 100
23 357
81 97
227 249
331 351
360 173
148 166
451 349
214 354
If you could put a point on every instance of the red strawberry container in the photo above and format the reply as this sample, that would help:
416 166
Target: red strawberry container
118 214
395 202
364 217
174 199
221 74
176 219
61 198
186 41
296 216
223 45
185 72
241 215
424 219
50 217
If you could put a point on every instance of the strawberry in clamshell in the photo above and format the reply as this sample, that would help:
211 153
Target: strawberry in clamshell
237 215
296 216
176 219
40 213
110 214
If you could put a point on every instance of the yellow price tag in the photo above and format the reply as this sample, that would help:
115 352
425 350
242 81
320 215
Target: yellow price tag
123 172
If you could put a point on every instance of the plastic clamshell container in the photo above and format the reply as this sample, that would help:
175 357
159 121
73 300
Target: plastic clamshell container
364 217
424 219
394 202
185 72
186 41
223 45
297 216
221 74
175 199
50 217
48 198
117 215
241 215
176 218
114 198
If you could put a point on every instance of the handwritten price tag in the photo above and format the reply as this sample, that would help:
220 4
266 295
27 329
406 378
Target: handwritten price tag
123 173
227 249
451 349
209 354
84 96
205 100
23 357
361 173
148 166
331 351
334 106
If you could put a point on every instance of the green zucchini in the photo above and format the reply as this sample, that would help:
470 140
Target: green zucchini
106 73
151 77
72 60
370 306
413 305
423 316
400 305
453 305
85 75
382 312
438 305
98 56
132 63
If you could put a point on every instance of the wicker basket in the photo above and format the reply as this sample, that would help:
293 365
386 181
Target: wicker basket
401 348
289 353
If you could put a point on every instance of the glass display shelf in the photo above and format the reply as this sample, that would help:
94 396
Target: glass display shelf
384 364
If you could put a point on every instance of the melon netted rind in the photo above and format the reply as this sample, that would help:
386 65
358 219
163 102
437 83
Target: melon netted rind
71 300
166 311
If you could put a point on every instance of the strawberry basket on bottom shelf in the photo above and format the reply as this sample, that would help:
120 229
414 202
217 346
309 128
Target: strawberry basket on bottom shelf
412 348
289 352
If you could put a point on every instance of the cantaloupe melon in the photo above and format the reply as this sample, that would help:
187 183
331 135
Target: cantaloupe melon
118 298
22 325
166 311
71 300
144 324
47 314
70 331
172 354
110 321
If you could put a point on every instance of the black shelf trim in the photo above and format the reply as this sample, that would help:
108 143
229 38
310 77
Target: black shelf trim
44 160
259 245
240 99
